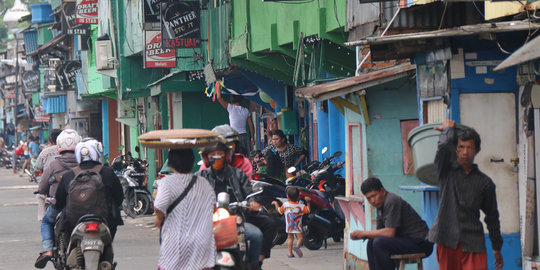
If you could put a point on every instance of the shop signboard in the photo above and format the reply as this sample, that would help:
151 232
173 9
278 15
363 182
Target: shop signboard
40 116
87 11
30 80
180 24
69 21
155 56
151 11
66 73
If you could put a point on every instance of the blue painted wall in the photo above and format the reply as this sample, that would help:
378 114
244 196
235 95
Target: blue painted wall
388 105
330 131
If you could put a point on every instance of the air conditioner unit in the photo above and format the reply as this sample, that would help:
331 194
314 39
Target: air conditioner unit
104 58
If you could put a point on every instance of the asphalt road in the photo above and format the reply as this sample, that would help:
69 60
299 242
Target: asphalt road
136 245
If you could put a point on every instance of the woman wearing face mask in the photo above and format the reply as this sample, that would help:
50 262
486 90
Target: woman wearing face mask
260 229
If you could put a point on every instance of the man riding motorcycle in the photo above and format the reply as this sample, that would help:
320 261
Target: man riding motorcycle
88 154
238 159
66 142
225 178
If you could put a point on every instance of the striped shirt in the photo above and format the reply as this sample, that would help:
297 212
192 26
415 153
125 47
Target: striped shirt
187 234
462 197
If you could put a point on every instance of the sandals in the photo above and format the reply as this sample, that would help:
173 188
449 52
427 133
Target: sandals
298 251
42 260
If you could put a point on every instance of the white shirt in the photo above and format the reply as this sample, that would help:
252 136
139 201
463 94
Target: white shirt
237 118
187 237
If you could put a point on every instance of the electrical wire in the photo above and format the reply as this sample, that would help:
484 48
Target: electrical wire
443 14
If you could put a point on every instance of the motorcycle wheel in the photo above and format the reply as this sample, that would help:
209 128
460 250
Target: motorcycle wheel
140 206
312 240
337 237
279 239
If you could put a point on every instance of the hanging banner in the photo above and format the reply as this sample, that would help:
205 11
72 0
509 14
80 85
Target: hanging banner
180 24
40 116
66 73
151 11
69 21
154 54
87 11
30 80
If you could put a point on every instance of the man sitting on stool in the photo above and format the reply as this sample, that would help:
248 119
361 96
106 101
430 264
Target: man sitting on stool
400 230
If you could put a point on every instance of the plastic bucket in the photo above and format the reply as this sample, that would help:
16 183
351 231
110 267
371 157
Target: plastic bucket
423 142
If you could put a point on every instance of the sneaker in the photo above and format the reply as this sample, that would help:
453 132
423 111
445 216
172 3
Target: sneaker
298 251
291 256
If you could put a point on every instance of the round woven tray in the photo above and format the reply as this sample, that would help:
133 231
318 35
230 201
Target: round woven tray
179 138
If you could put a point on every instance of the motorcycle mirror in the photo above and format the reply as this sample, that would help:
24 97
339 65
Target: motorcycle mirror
338 154
291 170
324 150
223 199
137 149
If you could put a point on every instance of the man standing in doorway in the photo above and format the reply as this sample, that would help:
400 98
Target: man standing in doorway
465 190
238 116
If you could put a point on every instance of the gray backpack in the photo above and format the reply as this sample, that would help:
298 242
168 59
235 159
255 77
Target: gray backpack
86 195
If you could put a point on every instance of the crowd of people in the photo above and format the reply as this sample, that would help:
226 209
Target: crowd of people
185 201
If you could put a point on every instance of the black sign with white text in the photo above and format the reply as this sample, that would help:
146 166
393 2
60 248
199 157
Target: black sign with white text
67 73
30 80
69 21
180 24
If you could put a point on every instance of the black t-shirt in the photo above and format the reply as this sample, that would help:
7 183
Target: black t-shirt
399 214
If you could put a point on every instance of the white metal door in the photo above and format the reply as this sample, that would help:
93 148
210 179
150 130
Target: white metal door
493 116
177 109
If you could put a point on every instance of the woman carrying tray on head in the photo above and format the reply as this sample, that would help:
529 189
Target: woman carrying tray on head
184 207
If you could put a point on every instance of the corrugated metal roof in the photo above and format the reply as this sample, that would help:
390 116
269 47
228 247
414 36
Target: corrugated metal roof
465 30
364 18
30 42
342 87
528 52
55 104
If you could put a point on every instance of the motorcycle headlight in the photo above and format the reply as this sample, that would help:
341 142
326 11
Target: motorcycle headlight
220 213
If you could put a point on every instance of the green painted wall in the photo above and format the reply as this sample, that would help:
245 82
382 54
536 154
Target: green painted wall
262 26
44 35
199 111
388 104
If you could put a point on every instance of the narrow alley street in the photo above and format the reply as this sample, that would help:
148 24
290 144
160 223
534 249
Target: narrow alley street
136 245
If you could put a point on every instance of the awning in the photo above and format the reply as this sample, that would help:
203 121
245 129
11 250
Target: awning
528 52
465 30
338 88
55 104
48 45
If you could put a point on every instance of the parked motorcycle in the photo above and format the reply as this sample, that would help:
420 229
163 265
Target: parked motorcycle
132 174
229 231
89 246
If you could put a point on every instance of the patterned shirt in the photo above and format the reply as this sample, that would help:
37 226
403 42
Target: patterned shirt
47 155
462 197
293 212
288 156
187 233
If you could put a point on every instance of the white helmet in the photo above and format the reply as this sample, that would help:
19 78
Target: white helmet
89 149
67 140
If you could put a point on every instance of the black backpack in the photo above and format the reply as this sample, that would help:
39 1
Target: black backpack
86 195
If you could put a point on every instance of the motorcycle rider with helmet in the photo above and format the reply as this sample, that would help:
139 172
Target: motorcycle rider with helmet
66 142
88 154
260 229
238 159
